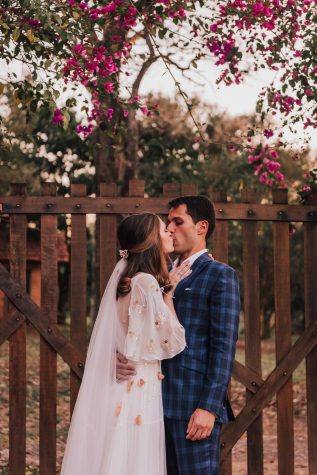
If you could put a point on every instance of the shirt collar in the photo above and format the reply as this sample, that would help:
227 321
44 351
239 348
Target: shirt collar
191 259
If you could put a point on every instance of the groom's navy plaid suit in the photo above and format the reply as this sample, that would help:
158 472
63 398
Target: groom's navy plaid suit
207 303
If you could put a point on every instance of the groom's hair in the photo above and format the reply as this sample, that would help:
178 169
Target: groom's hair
200 208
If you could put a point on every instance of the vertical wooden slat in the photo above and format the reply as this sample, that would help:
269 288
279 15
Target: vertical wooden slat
107 238
171 190
189 189
17 343
310 282
220 235
220 251
48 361
136 188
252 325
78 279
283 335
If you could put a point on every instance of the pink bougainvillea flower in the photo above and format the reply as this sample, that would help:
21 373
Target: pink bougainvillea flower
263 177
279 176
58 117
109 87
273 154
268 133
109 114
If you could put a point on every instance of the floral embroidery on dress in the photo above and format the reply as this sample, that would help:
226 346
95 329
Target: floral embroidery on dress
160 318
118 409
141 382
129 385
160 376
150 346
138 420
138 307
165 344
154 286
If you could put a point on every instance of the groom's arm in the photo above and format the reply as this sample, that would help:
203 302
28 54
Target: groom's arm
124 369
224 321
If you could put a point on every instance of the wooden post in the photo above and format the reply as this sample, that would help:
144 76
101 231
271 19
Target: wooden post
78 278
107 238
220 234
310 282
171 190
252 328
283 337
48 363
189 189
136 189
17 343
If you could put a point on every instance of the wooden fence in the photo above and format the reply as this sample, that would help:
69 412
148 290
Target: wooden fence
259 392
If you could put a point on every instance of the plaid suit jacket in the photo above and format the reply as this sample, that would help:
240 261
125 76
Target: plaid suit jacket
207 303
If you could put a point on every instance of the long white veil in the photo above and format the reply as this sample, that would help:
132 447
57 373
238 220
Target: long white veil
94 414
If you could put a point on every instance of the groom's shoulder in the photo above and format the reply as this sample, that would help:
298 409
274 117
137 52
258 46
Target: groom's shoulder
216 267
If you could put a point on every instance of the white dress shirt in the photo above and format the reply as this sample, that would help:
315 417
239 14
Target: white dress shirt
191 259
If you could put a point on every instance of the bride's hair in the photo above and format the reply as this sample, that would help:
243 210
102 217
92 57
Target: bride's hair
139 234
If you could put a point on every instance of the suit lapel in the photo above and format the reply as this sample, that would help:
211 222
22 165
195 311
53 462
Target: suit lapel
197 267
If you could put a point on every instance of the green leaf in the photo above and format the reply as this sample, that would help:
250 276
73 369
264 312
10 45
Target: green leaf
66 119
259 106
162 33
30 36
16 34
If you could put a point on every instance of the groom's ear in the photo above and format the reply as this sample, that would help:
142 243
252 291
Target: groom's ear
202 227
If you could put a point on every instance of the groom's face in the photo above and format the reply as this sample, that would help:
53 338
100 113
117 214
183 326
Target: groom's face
182 228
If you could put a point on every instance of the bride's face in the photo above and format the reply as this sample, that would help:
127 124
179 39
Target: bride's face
166 237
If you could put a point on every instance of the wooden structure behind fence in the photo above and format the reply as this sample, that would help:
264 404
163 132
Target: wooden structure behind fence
18 207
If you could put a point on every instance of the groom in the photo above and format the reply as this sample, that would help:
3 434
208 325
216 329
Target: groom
195 386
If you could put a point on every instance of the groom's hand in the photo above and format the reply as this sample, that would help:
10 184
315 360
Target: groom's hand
124 369
200 425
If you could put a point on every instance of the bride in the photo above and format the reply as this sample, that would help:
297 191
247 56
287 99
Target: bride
118 428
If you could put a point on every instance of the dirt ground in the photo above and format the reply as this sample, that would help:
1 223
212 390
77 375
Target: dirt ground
237 398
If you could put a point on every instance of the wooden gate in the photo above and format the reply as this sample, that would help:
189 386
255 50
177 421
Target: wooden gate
18 207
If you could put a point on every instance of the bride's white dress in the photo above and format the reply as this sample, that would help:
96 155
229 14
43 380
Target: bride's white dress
134 442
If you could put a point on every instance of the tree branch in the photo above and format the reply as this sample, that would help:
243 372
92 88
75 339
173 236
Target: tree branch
145 66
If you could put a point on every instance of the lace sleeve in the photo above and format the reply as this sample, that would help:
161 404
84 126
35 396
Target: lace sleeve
154 333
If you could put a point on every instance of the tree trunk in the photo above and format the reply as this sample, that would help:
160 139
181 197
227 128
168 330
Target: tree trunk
104 159
131 153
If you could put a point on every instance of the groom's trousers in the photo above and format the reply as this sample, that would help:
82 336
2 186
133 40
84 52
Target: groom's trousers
186 457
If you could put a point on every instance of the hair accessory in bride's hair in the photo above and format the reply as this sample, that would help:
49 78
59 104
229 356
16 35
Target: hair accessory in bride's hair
124 253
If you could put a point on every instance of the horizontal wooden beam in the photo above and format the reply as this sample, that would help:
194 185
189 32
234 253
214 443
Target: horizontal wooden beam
275 381
48 330
127 205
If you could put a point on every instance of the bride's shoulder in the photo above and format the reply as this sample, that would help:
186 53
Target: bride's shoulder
143 278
